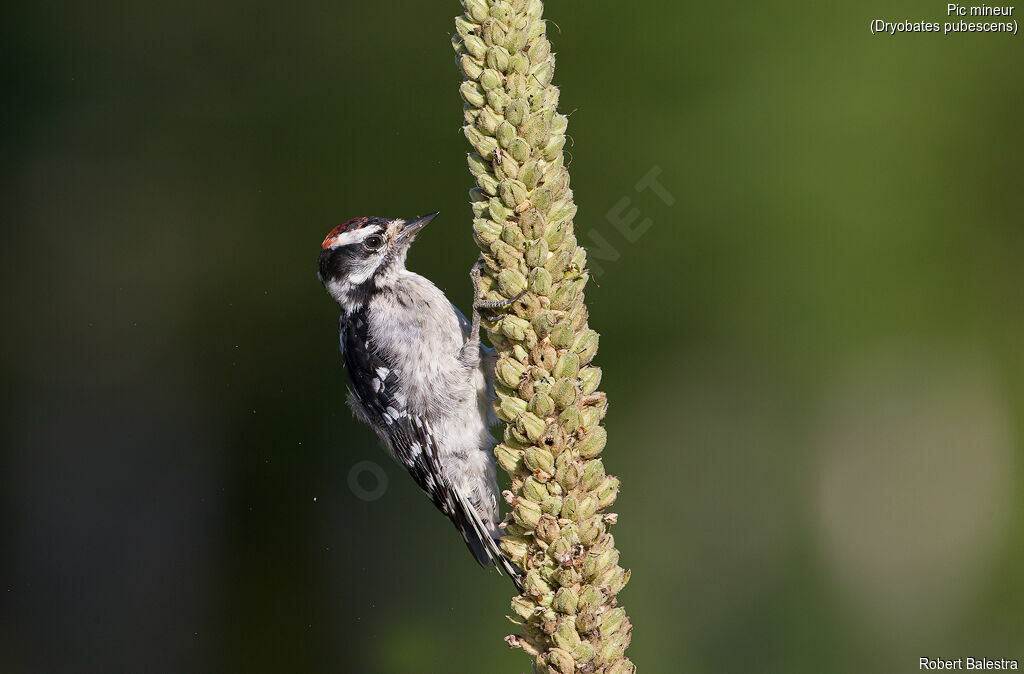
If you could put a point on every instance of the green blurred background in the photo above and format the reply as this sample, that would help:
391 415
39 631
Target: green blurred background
812 351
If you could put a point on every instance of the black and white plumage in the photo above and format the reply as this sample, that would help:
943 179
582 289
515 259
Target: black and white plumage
420 377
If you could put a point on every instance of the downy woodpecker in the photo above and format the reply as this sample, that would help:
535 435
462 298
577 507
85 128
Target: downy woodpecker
420 377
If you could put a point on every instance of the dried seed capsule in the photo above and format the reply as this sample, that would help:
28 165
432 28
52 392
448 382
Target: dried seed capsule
490 79
565 601
566 636
519 149
511 460
533 427
563 393
470 66
472 94
559 661
593 444
477 10
540 284
498 59
568 366
539 460
517 111
505 133
485 231
513 236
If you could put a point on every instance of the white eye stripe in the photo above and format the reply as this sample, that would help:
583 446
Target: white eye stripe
355 236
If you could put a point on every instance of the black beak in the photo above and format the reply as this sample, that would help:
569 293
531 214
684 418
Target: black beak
412 227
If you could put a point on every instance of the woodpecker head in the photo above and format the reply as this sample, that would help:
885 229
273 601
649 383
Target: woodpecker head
364 255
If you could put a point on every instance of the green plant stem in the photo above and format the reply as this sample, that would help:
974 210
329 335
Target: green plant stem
568 615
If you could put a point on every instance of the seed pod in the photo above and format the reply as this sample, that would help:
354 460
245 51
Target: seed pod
506 167
494 33
463 27
523 607
515 547
533 224
569 507
593 474
477 10
499 212
519 63
585 344
624 666
501 11
613 648
541 199
563 393
498 59
472 94
559 661
542 405
505 133
535 131
515 40
563 210
537 253
513 192
568 366
544 321
534 490
587 507
539 51
552 505
590 529
593 444
490 79
517 111
612 621
485 231
608 492
529 173
565 601
566 636
540 284
511 284
510 371
547 528
556 234
498 100
519 149
584 653
513 236
510 408
590 379
543 72
510 460
470 66
586 619
539 460
533 428
514 327
570 420
488 184
526 513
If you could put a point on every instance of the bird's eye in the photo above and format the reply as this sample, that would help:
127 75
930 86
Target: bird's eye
373 242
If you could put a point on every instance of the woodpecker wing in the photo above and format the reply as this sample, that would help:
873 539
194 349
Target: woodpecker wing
411 440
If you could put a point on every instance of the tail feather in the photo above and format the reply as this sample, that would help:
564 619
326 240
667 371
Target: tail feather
482 542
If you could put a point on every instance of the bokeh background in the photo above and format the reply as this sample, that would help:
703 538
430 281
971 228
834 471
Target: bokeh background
811 335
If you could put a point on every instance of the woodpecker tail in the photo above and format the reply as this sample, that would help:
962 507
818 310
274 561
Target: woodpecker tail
482 541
